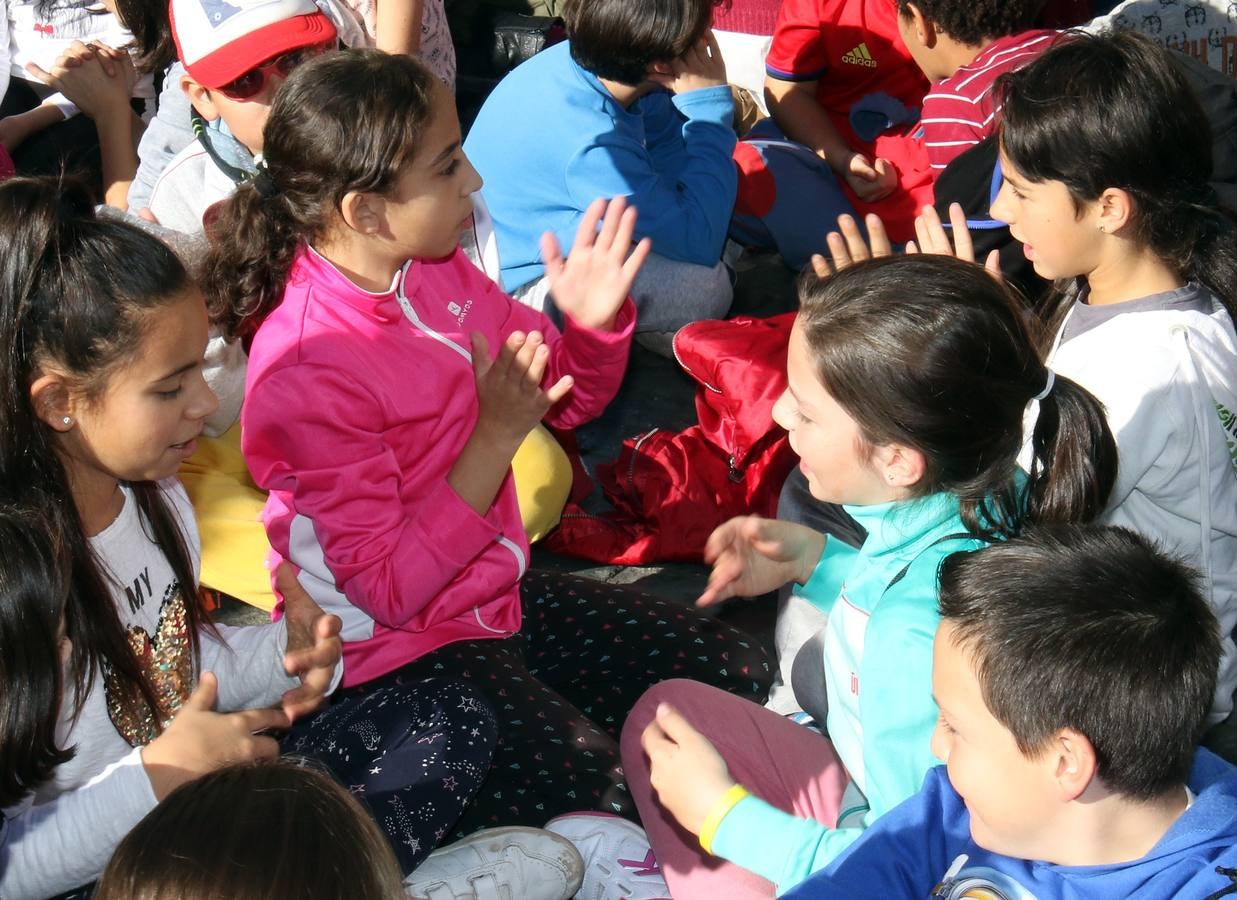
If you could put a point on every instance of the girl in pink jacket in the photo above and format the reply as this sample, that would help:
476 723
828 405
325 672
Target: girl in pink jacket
389 385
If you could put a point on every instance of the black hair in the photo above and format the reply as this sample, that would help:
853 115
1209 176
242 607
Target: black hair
75 292
34 589
1095 630
934 353
300 834
973 22
314 155
1112 111
619 39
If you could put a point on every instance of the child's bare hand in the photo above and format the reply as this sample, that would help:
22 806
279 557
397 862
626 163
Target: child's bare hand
314 646
870 181
595 279
685 769
98 79
933 238
752 556
200 740
700 67
847 246
509 391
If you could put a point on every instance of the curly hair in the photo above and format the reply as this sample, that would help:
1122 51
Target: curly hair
974 22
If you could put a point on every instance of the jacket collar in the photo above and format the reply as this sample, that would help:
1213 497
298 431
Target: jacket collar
333 284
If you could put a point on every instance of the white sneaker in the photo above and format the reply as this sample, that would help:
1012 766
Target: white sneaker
509 863
619 864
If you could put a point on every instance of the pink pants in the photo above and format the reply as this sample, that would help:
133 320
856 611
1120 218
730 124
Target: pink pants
783 763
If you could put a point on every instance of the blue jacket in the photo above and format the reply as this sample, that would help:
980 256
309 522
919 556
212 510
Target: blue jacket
909 852
883 598
551 139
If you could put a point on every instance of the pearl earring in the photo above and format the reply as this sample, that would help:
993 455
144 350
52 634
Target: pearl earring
68 420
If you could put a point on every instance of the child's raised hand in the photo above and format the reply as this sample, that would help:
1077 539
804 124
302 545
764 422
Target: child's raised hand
752 556
314 646
200 740
509 391
591 285
933 238
871 181
685 769
847 246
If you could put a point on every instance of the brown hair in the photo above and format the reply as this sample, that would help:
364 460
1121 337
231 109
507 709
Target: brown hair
281 830
934 353
314 154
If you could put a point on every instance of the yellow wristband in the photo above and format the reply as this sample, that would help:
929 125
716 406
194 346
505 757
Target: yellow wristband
723 806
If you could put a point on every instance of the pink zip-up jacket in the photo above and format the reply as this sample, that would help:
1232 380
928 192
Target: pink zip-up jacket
356 407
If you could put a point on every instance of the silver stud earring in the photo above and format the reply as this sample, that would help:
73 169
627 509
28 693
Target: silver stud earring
68 420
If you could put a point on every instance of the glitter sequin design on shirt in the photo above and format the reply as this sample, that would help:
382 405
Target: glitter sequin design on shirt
167 660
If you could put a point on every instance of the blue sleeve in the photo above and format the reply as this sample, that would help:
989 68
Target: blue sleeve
776 845
903 855
825 584
168 133
663 132
686 213
896 704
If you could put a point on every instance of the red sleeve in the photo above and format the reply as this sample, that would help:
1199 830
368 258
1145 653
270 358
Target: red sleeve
798 52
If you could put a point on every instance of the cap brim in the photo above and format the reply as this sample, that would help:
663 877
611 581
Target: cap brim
239 56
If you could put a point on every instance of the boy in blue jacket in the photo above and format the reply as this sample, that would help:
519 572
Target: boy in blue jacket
1074 669
634 103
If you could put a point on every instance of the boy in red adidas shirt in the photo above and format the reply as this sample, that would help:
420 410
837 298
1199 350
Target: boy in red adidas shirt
963 46
844 96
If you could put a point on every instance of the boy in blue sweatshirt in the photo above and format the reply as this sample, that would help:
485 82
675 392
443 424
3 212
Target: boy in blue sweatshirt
634 103
1074 669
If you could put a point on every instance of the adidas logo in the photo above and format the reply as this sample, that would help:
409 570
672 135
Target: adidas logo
860 56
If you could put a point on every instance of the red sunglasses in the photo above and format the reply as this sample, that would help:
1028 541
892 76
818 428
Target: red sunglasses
251 83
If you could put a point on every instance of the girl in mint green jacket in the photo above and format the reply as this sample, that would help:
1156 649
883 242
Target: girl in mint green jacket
908 379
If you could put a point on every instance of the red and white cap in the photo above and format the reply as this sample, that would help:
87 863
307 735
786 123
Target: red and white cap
220 40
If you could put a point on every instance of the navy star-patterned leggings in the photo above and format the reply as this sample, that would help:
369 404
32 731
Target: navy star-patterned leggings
413 753
563 686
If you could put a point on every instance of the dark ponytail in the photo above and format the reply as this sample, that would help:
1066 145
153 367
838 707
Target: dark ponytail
34 589
933 353
1114 111
74 294
314 153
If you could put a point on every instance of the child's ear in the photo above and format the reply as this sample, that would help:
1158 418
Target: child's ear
1073 761
363 212
1115 209
923 29
200 97
53 402
901 466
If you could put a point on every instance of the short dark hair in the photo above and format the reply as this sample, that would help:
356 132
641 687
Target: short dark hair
619 39
252 831
973 22
1093 629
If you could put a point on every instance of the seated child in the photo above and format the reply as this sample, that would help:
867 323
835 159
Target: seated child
907 381
1074 669
844 94
963 46
633 104
391 490
231 76
107 398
